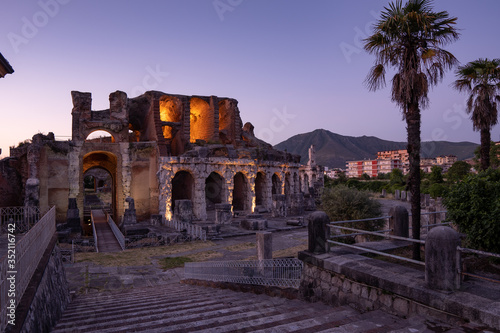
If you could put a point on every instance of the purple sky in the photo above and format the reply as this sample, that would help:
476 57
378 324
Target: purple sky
293 65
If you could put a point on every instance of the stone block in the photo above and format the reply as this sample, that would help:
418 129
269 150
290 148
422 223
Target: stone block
156 219
253 224
318 232
183 211
223 214
264 245
441 271
279 206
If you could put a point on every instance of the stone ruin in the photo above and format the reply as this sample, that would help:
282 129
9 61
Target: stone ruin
163 148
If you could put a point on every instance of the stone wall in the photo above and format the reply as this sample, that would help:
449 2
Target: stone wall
51 298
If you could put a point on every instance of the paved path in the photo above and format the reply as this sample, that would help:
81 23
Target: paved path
106 240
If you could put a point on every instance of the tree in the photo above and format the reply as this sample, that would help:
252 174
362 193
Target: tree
494 155
409 39
474 207
481 80
436 175
458 171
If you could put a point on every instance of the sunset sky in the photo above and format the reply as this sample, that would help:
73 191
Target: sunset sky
293 65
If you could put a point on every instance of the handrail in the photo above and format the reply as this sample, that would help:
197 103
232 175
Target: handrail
118 234
94 232
193 230
27 254
378 234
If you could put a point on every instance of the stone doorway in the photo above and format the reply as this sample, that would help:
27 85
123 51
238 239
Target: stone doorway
214 190
182 187
240 193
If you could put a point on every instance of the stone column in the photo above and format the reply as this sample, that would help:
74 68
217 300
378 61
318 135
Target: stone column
223 213
318 232
441 257
264 245
399 221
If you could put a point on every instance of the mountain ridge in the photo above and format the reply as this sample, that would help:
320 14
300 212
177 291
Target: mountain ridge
333 150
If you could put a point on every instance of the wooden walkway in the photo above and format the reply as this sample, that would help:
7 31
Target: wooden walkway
106 240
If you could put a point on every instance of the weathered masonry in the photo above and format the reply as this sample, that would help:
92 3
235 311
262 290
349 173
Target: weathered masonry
161 148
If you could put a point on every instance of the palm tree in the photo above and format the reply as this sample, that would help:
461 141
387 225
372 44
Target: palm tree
481 79
409 39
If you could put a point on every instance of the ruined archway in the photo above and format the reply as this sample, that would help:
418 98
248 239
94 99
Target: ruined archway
101 166
240 192
260 185
100 136
276 188
182 187
214 190
201 120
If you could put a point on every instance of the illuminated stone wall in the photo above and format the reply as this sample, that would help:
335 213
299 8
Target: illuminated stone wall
201 168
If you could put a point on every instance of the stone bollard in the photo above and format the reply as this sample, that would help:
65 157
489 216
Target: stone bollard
403 195
441 256
183 211
223 214
264 245
399 221
318 232
397 195
384 194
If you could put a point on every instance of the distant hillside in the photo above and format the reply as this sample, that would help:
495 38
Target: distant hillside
333 150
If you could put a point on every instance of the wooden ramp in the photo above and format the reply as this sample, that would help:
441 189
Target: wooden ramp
106 240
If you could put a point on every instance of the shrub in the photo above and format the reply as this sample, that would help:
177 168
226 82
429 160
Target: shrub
474 206
342 203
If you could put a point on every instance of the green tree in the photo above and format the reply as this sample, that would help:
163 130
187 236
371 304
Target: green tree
473 205
409 38
396 177
436 175
494 154
481 80
458 171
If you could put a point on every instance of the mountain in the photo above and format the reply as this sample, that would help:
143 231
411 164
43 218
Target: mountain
333 150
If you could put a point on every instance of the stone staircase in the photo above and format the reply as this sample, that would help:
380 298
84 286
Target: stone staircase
187 308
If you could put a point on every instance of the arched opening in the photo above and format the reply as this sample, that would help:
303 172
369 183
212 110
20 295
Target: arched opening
170 111
182 187
99 184
100 136
276 188
201 120
260 185
240 192
214 190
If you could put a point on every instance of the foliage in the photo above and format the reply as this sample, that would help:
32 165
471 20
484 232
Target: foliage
481 80
458 171
342 203
436 175
396 177
409 38
437 190
494 155
474 206
365 176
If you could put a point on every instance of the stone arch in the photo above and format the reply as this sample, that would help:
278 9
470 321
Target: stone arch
260 187
276 184
182 187
214 190
240 192
170 111
105 161
226 121
110 139
201 120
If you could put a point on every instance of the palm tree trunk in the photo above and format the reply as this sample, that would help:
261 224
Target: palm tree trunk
485 149
413 131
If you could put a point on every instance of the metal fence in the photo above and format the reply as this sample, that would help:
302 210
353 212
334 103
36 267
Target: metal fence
27 254
194 231
269 272
23 217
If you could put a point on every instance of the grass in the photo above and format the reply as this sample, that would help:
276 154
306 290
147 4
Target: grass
240 247
173 262
142 256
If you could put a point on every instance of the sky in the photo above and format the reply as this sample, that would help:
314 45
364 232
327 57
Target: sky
293 65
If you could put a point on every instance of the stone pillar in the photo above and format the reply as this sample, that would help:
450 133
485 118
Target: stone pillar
264 245
441 256
279 205
130 216
403 195
223 214
397 194
384 194
73 216
399 221
297 204
183 211
318 232
32 193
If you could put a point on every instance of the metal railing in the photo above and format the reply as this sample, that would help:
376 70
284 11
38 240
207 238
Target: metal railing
118 234
481 253
269 272
94 232
23 217
28 252
194 231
